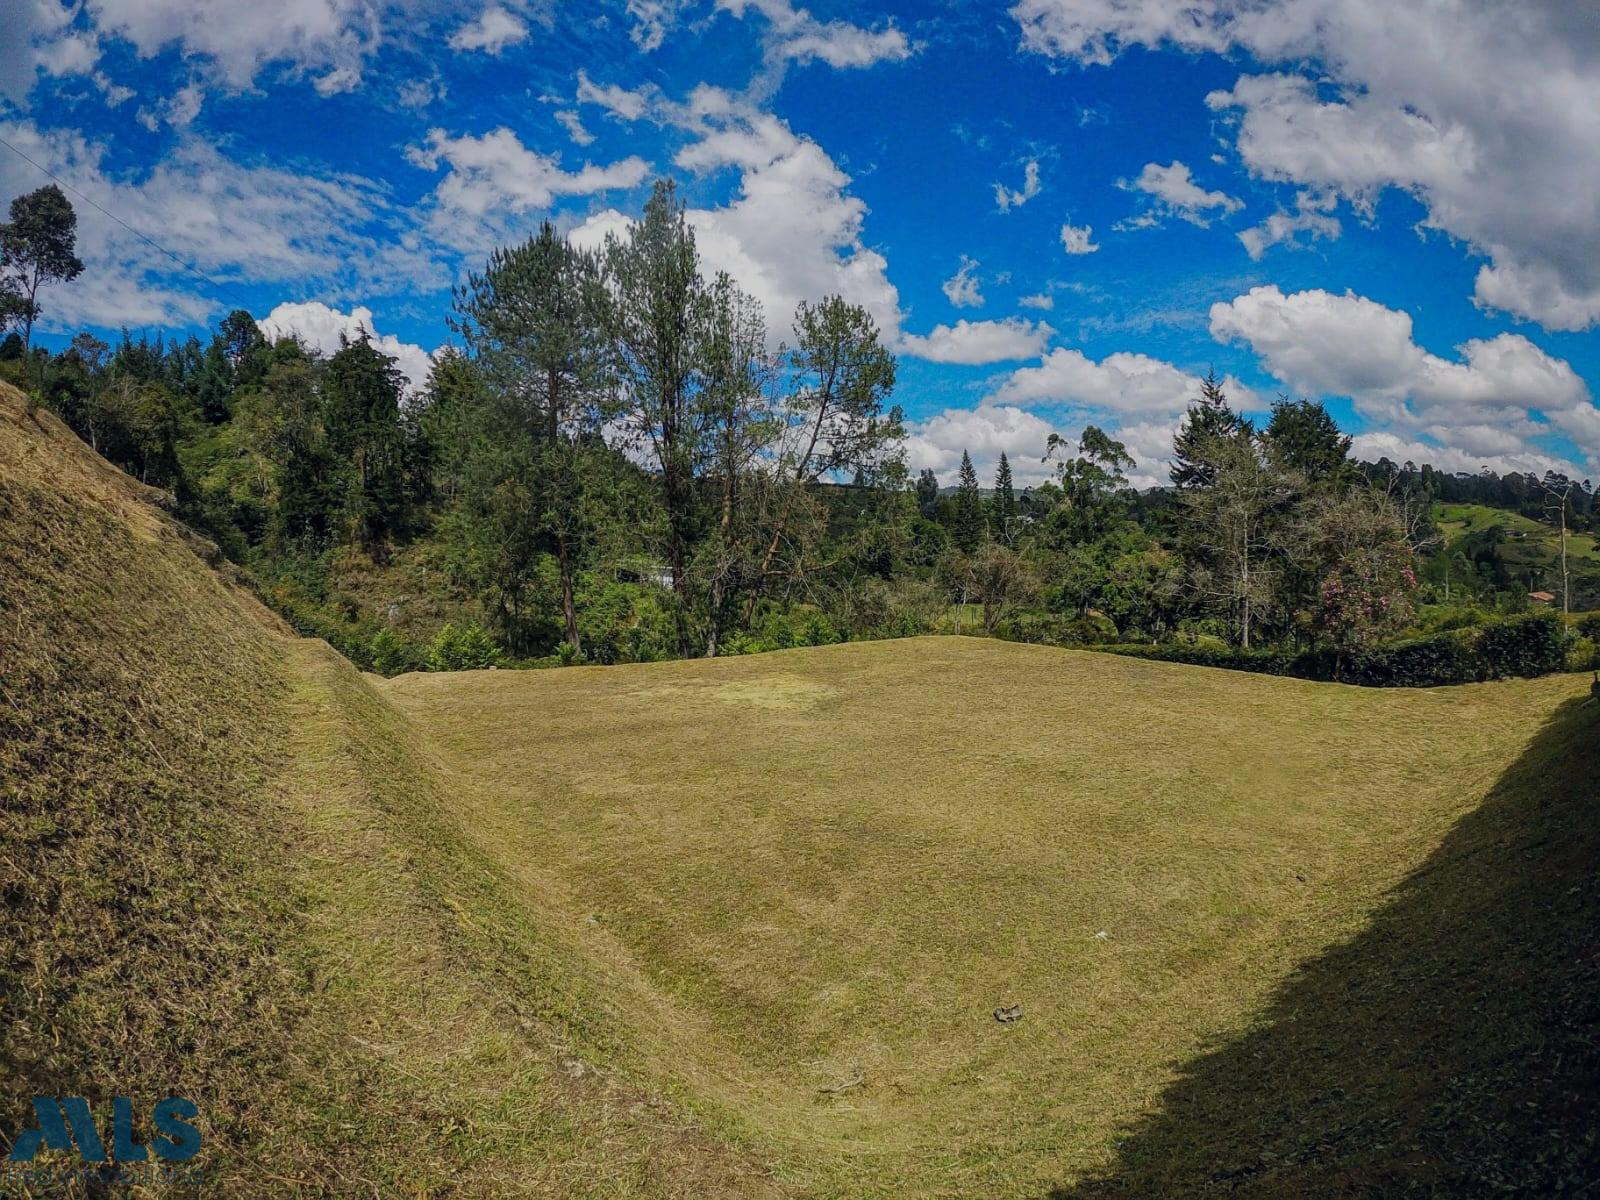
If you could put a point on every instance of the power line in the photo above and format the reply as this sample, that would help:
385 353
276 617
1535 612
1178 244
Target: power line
95 204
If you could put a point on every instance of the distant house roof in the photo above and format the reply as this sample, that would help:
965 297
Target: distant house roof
1542 597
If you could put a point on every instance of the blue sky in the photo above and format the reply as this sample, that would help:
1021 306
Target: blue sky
1060 211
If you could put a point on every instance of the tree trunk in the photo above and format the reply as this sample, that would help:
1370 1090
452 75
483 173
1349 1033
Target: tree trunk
677 542
1566 590
1244 566
569 609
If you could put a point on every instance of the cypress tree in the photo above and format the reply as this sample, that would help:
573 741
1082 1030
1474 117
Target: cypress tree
1209 418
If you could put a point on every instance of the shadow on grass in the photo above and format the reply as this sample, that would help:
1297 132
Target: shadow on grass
1450 1049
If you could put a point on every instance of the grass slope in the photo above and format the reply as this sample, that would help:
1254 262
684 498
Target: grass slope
791 870
225 873
612 932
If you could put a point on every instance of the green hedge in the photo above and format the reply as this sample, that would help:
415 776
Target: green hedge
1229 658
1518 647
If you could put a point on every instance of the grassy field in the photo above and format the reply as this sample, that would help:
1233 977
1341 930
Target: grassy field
792 872
738 928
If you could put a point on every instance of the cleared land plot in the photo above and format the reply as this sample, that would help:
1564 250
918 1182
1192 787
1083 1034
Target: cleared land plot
780 873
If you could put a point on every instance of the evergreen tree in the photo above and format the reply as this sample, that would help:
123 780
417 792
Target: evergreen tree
657 316
361 389
1003 504
740 427
1302 437
534 321
968 529
928 494
1209 420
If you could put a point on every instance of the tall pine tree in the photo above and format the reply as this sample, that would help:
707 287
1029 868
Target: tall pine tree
967 533
1003 504
1209 419
928 494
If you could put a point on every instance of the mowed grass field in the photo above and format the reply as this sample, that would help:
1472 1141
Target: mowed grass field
797 885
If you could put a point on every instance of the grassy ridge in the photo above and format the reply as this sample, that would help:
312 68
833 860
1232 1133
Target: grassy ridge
140 880
227 875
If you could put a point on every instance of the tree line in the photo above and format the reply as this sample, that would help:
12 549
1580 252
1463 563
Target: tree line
615 460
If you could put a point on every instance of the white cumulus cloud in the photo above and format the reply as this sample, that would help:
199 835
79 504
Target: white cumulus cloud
493 181
321 328
794 35
1006 199
962 289
1484 111
1495 401
1174 193
984 432
974 343
492 32
1078 239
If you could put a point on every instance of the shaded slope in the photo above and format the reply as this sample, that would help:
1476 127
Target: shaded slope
1451 1048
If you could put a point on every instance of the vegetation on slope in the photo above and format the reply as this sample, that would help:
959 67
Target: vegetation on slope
139 879
613 465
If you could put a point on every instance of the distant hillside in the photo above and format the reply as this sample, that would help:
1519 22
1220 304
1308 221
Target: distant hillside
1518 549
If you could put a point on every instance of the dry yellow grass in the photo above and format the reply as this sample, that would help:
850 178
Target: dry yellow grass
786 870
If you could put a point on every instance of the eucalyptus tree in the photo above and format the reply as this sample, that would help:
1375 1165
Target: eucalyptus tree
535 325
834 419
37 247
658 309
740 425
1094 484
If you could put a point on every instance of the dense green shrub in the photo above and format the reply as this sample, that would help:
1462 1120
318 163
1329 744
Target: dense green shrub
1535 644
1521 646
1583 655
1054 629
1441 618
463 648
802 625
1437 661
391 654
1264 662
